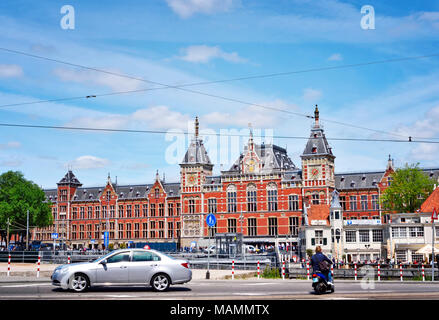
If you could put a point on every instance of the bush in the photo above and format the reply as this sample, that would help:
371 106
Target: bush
271 273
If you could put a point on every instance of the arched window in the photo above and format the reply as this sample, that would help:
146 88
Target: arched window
272 197
231 198
252 204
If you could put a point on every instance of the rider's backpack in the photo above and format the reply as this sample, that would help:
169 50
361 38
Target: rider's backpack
323 266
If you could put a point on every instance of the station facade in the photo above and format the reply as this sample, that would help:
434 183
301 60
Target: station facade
263 195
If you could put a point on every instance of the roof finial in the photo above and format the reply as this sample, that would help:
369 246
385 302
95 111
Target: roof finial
108 178
157 176
316 116
250 139
197 125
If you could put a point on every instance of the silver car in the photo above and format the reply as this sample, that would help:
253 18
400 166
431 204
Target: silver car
124 267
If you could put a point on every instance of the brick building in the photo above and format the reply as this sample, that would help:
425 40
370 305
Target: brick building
264 195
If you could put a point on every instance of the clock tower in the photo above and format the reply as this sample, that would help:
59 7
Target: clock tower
318 164
194 168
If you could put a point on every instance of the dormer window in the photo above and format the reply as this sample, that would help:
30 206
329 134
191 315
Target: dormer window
90 196
352 183
121 194
363 177
431 173
342 178
314 149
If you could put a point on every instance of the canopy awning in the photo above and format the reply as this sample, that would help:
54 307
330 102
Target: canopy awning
427 249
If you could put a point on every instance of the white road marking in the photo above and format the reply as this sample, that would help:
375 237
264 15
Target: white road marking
26 285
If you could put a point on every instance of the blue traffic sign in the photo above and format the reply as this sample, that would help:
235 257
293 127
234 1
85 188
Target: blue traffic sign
211 220
106 233
54 235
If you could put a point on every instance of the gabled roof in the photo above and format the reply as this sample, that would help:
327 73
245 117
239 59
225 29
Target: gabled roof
432 202
196 153
70 179
317 144
272 156
359 180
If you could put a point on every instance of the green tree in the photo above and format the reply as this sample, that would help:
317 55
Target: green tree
408 190
17 196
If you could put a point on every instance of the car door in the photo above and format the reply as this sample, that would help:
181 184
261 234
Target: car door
115 270
142 266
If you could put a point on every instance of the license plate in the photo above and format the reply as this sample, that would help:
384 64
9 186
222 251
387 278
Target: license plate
315 280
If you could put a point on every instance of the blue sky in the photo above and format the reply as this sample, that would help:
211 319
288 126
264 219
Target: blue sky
177 42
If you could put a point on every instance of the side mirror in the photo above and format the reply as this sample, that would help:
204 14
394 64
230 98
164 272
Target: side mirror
104 262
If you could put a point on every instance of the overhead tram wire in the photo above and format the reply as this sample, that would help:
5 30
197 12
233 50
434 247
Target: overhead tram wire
182 87
205 134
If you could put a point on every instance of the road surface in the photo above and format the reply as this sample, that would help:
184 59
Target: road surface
225 289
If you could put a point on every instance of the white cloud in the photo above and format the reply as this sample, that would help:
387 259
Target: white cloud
257 116
10 71
87 162
425 152
152 118
10 145
102 79
11 163
186 8
203 54
311 95
335 57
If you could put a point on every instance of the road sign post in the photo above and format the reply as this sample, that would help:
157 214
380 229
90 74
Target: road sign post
210 221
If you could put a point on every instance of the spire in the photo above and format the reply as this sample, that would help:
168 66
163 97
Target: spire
109 178
316 117
157 176
197 126
251 143
390 163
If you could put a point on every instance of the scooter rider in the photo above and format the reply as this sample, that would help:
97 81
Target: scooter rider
315 261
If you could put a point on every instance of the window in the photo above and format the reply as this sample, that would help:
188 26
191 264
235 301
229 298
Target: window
343 202
315 198
364 202
128 231
416 232
97 212
231 198
399 232
231 225
252 228
161 210
272 226
377 235
170 229
145 210
178 208
152 209
139 256
375 203
136 230
272 197
417 257
108 195
294 226
364 235
318 238
112 212
75 213
170 209
212 205
353 203
82 213
191 205
119 257
252 205
156 193
145 230
212 231
293 202
121 211
120 231
137 210
351 236
129 211
90 212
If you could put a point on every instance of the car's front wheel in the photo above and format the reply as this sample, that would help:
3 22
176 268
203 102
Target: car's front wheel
160 282
78 282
